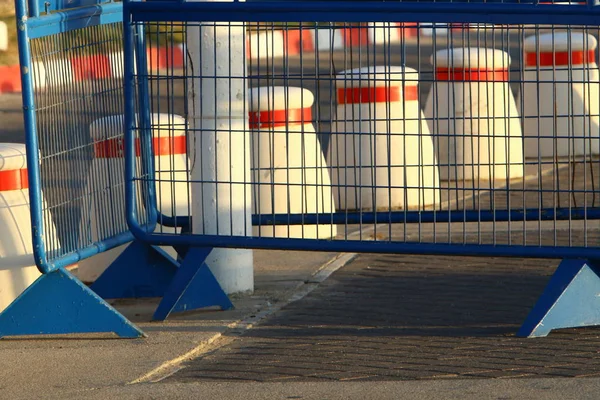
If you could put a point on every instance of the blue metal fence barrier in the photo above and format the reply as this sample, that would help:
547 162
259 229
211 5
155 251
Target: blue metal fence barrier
463 128
72 75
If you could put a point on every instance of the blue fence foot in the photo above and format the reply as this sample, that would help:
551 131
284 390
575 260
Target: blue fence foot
141 270
58 303
193 287
569 301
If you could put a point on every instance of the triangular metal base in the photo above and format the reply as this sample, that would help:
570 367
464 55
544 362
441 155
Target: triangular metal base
569 301
58 303
193 287
141 270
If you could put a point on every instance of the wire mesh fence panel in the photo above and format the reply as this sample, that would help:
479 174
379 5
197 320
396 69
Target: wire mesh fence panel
73 85
478 133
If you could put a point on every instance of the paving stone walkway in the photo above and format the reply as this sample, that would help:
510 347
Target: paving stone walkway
389 317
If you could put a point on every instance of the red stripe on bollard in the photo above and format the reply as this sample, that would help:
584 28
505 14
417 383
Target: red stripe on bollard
547 59
355 36
296 40
163 146
15 179
377 94
478 75
277 118
10 79
164 57
91 67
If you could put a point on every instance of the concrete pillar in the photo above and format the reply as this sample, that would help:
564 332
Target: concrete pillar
220 147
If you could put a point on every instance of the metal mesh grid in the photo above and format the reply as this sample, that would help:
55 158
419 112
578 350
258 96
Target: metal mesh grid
78 80
524 176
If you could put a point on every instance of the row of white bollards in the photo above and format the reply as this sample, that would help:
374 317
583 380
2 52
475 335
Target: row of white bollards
386 153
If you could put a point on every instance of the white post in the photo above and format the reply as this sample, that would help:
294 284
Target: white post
220 147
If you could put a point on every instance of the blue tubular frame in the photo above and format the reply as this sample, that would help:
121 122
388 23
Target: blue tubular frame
576 281
32 27
31 141
325 11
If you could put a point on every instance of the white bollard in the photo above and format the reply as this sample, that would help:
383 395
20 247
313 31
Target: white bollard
290 175
561 109
473 116
108 199
220 148
17 266
380 139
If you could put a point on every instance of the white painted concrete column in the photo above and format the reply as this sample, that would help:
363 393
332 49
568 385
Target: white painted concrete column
220 147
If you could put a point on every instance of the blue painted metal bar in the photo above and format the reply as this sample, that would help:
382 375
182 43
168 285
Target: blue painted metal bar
193 287
570 300
327 11
128 141
64 21
99 247
58 303
33 161
547 214
32 7
358 246
61 5
145 128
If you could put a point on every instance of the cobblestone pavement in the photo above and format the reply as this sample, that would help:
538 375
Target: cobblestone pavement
388 317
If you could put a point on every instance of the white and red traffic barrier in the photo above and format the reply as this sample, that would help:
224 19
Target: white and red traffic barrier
17 266
381 154
298 41
473 115
290 175
561 93
105 188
